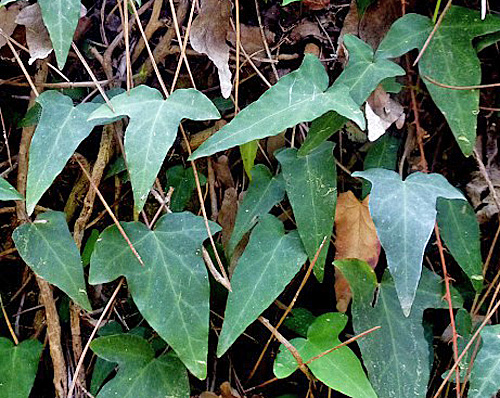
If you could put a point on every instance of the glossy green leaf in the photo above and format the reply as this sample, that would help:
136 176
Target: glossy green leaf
172 289
311 186
184 183
454 65
340 370
485 376
18 367
299 320
61 18
268 264
153 128
89 247
383 153
396 356
48 248
62 127
248 153
362 75
264 191
140 374
404 213
8 192
459 229
297 97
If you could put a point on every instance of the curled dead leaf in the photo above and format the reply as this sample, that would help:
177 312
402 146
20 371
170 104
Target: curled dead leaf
381 112
208 36
251 38
8 21
37 36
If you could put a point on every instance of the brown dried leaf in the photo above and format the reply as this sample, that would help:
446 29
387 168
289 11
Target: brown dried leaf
356 238
223 172
381 112
481 196
227 214
251 39
226 391
208 36
305 28
37 36
316 4
8 20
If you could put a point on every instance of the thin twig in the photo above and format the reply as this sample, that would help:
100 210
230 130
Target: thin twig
7 321
238 43
476 87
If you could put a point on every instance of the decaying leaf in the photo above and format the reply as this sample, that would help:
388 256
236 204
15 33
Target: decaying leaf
305 29
356 238
223 172
381 112
8 21
251 38
227 214
208 36
37 36
481 196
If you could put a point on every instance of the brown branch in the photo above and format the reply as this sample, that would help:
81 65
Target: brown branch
477 87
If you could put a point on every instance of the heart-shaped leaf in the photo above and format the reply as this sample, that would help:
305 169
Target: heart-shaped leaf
264 191
311 186
460 231
62 127
485 376
362 75
453 65
297 97
268 264
18 367
8 192
404 213
153 128
172 289
396 356
61 18
340 370
49 250
140 374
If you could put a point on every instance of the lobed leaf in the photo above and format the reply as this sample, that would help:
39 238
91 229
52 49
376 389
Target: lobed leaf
340 370
404 213
47 247
152 129
396 356
172 289
298 97
268 264
485 376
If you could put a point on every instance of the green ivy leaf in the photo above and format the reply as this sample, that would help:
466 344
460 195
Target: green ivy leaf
404 213
18 367
61 18
8 192
298 97
172 289
140 374
459 229
454 64
485 376
153 128
340 370
61 129
362 75
264 191
299 321
49 250
268 264
311 186
184 183
248 153
396 356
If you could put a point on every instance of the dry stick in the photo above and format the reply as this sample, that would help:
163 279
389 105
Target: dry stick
111 214
91 74
477 87
153 25
436 26
238 43
349 341
179 39
469 344
21 65
155 67
127 45
264 40
7 321
300 362
450 307
4 131
290 306
92 335
57 85
184 46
